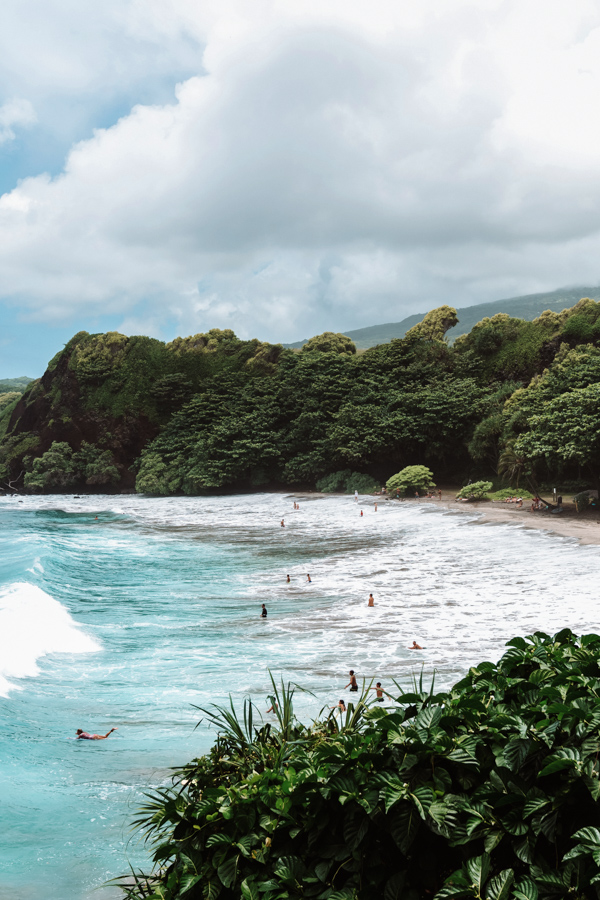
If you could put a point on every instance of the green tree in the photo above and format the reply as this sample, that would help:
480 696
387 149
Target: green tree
54 469
410 480
475 491
435 324
330 342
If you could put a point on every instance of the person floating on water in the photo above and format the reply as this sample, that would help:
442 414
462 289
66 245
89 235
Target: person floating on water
85 736
288 579
263 612
416 646
308 578
352 684
371 601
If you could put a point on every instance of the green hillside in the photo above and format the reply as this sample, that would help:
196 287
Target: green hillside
14 384
528 307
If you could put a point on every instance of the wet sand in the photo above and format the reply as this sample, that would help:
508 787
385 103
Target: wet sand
584 526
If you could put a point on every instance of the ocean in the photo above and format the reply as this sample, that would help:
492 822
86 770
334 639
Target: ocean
131 612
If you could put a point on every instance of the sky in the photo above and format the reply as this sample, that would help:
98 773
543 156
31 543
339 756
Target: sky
282 168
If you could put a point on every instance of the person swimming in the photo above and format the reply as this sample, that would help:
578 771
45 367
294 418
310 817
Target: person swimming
282 524
416 646
86 736
340 705
263 612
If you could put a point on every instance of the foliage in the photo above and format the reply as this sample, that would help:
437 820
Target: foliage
490 790
411 479
505 493
8 398
435 324
330 342
60 467
476 491
346 482
18 385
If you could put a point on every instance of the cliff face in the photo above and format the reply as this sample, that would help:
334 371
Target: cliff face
102 400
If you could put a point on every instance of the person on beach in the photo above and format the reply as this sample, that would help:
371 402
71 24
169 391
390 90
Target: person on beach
86 736
263 612
416 646
379 692
308 578
288 579
371 601
352 684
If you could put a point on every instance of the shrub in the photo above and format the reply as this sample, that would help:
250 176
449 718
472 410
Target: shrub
475 491
410 479
505 493
489 790
330 342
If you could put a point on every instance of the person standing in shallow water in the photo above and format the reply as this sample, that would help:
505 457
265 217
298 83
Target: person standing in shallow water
288 579
371 600
263 612
308 578
352 684
282 524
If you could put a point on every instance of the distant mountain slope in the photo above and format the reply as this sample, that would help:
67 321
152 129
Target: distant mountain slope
14 384
527 307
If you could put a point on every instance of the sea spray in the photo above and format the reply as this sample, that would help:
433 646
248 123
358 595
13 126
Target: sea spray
32 625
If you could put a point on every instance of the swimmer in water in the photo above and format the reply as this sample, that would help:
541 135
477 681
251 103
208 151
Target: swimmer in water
416 646
379 692
341 705
308 578
288 579
263 612
85 736
371 600
282 524
375 507
352 684
361 512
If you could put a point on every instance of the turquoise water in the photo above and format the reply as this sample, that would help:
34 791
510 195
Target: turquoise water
127 611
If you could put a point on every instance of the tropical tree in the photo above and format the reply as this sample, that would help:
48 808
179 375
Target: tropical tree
435 324
330 342
410 480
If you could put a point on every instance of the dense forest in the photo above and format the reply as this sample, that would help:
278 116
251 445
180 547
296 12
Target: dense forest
512 399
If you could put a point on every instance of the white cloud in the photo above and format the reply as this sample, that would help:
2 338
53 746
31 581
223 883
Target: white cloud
330 165
15 113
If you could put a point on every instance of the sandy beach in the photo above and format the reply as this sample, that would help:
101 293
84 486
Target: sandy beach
584 526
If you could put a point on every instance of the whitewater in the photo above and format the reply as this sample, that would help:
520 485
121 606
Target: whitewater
132 612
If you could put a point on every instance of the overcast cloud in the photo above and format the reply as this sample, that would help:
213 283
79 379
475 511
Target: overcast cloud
321 164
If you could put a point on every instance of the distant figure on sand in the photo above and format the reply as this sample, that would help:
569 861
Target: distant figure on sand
85 736
288 579
371 601
415 646
263 612
308 578
352 684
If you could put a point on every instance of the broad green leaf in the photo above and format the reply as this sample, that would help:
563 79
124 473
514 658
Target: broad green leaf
525 889
478 870
227 871
394 886
498 888
589 836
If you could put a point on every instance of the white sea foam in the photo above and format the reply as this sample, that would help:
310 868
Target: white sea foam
34 624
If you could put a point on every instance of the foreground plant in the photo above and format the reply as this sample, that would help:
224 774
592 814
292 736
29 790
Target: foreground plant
490 790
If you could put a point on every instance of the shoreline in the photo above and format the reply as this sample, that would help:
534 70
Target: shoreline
583 527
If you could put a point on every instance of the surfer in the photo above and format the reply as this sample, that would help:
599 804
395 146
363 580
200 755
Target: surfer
86 736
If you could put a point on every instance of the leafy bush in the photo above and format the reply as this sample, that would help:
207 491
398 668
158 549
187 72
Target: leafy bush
490 790
60 467
330 342
410 480
505 493
475 491
346 482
